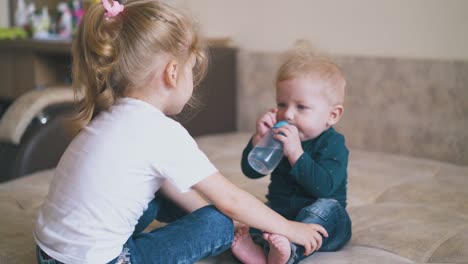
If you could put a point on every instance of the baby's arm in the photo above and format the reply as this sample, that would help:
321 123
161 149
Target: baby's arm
245 166
242 206
324 172
289 136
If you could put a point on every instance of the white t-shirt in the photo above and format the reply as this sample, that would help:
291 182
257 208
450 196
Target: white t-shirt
108 175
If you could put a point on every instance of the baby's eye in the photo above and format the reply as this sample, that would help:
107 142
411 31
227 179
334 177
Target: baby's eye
302 107
281 105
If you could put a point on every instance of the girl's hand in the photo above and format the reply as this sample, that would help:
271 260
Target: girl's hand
307 235
288 135
264 123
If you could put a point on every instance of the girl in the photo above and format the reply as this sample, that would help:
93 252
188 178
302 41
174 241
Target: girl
135 66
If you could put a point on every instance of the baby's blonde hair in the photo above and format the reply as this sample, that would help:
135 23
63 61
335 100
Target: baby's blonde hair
118 53
305 61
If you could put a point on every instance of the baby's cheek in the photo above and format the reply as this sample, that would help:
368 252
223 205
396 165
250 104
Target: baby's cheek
302 136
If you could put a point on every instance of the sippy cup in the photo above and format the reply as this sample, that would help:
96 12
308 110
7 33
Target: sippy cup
267 154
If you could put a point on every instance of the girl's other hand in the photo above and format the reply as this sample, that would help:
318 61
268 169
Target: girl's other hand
264 123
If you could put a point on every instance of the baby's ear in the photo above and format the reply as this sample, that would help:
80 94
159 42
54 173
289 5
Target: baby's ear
171 73
335 114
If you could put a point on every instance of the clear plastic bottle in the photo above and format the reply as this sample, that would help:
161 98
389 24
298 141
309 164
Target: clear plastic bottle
267 154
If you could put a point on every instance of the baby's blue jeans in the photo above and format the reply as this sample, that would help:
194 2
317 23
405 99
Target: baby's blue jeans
325 212
205 232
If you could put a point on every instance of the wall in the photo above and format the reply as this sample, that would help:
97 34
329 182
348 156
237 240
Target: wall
417 29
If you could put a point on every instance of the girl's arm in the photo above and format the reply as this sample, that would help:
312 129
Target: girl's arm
188 201
242 206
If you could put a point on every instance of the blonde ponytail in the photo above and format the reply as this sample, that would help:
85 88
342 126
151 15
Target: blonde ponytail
112 54
94 55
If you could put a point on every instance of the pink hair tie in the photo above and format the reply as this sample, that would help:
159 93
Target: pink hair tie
112 10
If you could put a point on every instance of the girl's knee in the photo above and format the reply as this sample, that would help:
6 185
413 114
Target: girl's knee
217 228
215 220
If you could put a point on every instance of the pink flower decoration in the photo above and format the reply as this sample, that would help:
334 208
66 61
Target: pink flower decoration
112 10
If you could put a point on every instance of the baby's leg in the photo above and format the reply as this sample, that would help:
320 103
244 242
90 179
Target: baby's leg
280 249
245 249
338 223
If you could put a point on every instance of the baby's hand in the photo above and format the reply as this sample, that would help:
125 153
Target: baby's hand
288 135
264 123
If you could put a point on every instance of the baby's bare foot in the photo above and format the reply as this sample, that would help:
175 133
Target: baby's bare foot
245 249
280 249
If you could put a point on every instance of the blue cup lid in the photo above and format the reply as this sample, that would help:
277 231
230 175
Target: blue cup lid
280 124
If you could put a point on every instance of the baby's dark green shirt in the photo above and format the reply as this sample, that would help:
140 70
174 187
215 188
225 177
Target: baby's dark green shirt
320 172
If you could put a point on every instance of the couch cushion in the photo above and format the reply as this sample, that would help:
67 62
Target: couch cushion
19 201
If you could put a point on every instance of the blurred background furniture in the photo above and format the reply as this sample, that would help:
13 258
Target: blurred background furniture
47 63
41 142
32 132
27 65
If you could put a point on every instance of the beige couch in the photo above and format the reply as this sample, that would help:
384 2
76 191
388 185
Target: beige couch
405 123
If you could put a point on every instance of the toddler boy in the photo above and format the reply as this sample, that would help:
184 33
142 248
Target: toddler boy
309 184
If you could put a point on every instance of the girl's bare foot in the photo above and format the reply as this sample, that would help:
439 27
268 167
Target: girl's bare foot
245 249
280 249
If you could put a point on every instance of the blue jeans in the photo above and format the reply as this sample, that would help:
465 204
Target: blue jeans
205 232
325 212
